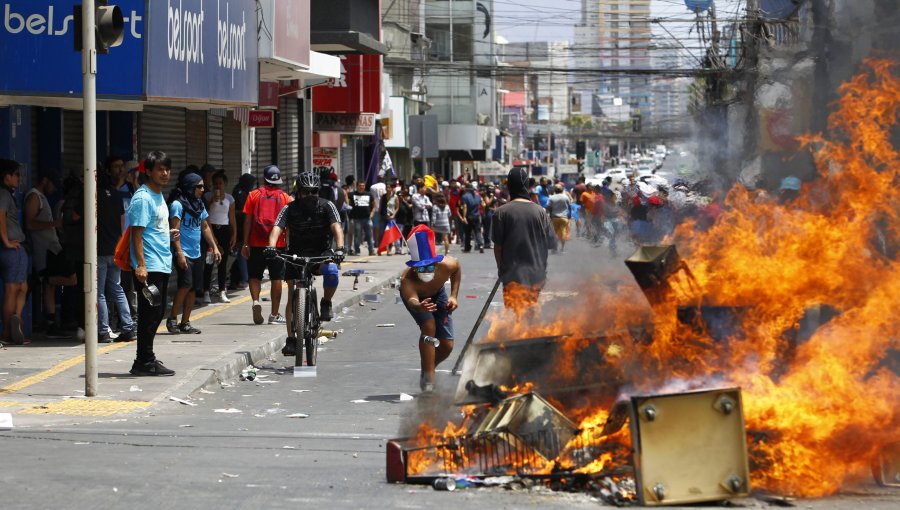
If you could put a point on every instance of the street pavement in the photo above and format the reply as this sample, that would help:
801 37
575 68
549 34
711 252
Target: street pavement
281 441
44 382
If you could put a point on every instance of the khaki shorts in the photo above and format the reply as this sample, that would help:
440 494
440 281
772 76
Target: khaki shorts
561 226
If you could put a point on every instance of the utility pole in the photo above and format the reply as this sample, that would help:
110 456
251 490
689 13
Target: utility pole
89 211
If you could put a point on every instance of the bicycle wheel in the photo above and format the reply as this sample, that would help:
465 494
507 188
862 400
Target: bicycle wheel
311 339
298 320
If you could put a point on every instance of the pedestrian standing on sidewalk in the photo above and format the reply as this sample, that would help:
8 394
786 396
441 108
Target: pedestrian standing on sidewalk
49 265
404 217
151 259
109 274
387 209
189 216
313 224
13 256
560 210
241 191
423 294
523 237
361 216
261 212
489 199
220 206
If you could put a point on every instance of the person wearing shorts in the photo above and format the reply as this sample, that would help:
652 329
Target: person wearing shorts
423 295
13 256
188 214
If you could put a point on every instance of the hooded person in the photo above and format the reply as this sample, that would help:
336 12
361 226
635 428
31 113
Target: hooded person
523 237
188 214
426 300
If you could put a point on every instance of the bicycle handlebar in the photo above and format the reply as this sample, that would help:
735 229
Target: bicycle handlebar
298 260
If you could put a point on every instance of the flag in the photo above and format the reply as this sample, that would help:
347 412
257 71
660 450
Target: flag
391 234
387 166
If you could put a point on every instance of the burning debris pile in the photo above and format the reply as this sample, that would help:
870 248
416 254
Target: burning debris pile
789 299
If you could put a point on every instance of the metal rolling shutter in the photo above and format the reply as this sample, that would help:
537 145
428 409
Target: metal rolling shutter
162 129
73 142
232 149
288 138
262 156
215 129
196 137
348 159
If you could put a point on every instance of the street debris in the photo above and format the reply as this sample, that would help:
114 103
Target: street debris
248 374
297 415
229 475
388 325
300 391
182 401
229 410
135 388
185 426
6 421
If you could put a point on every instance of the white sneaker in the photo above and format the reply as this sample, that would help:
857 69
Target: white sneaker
277 319
223 298
206 298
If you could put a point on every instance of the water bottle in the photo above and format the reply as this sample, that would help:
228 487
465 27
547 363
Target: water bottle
210 257
431 340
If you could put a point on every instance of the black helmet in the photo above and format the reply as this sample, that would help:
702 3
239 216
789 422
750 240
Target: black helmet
308 181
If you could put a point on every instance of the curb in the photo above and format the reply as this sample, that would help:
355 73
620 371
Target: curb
229 366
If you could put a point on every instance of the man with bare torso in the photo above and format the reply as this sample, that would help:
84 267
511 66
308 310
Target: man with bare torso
423 294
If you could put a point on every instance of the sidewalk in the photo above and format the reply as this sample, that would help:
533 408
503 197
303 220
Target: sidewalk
44 382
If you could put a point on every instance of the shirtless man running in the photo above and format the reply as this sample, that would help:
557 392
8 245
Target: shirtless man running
423 294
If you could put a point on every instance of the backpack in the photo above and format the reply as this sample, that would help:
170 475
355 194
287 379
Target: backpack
268 205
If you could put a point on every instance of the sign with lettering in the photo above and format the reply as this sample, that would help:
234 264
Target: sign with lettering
357 90
204 50
261 119
349 123
37 55
325 159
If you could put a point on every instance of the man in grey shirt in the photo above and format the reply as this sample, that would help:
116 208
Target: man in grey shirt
522 237
13 257
560 209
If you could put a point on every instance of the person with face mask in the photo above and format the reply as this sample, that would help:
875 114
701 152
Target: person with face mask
423 294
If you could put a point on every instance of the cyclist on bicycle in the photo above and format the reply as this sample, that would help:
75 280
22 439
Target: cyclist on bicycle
312 224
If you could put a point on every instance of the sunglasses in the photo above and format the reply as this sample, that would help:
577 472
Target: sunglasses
200 186
425 269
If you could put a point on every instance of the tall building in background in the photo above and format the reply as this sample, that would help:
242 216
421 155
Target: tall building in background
669 94
614 35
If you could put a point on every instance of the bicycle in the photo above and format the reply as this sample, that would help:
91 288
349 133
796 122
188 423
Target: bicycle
305 308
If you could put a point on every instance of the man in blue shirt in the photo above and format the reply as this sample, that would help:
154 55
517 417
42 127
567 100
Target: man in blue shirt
151 258
188 215
469 212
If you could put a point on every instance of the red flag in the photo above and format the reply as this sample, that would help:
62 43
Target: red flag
392 234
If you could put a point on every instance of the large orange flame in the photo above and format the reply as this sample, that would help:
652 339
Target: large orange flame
818 406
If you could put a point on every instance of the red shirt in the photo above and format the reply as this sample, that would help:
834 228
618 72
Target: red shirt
259 238
453 200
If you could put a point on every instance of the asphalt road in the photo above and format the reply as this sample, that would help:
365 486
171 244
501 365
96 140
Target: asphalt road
180 456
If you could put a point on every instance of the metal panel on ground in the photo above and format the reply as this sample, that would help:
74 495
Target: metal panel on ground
196 137
215 129
288 138
162 128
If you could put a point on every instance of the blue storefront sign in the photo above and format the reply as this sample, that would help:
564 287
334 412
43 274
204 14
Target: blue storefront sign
37 56
179 50
203 49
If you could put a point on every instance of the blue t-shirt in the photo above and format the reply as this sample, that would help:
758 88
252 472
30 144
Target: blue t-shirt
543 196
190 229
473 202
148 209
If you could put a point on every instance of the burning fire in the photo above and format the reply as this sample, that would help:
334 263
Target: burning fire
811 285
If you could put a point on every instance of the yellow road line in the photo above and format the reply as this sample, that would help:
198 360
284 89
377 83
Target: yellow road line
71 362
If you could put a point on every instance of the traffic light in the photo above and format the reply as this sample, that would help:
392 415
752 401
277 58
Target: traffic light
636 123
109 28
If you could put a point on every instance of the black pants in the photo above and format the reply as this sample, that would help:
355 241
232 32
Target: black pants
472 229
222 233
149 317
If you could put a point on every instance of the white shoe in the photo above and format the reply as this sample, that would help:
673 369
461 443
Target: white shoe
223 298
206 298
79 334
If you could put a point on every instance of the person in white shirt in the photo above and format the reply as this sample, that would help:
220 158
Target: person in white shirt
421 206
220 206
